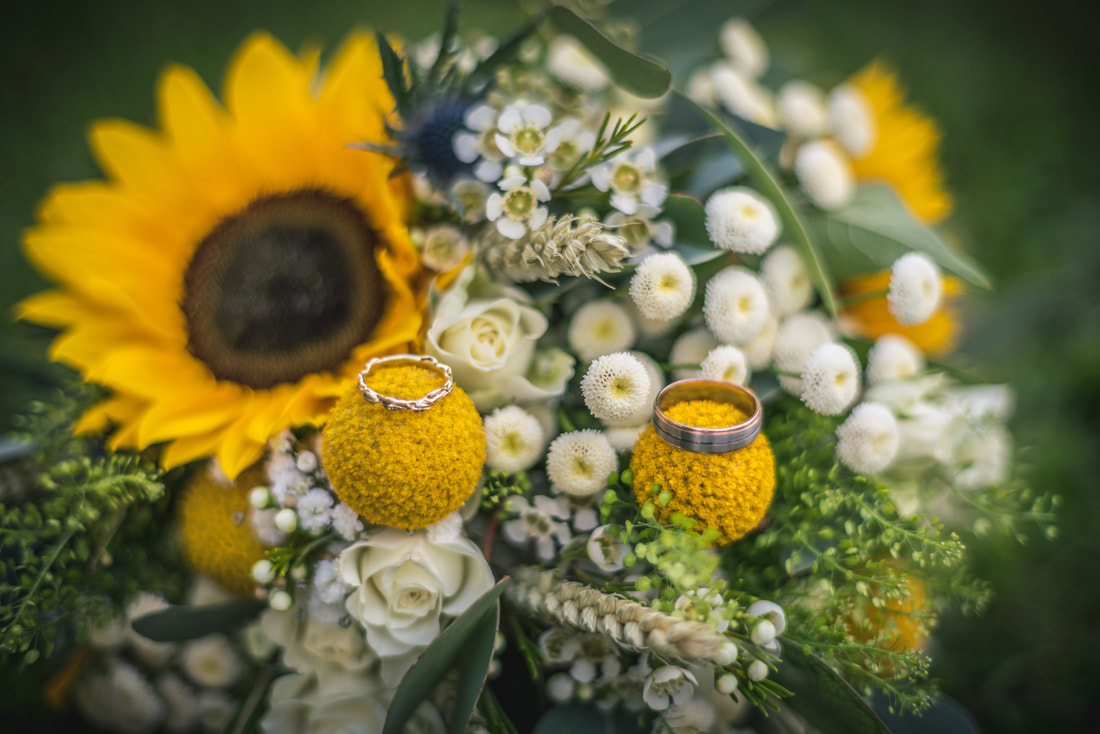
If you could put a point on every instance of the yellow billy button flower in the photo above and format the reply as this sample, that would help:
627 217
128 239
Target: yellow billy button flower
728 492
217 538
398 468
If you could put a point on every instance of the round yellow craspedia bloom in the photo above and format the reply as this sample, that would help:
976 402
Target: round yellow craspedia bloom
398 468
217 539
728 492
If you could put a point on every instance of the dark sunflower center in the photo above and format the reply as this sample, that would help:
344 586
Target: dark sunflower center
284 288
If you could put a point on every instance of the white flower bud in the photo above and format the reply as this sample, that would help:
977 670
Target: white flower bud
758 671
280 601
286 520
263 572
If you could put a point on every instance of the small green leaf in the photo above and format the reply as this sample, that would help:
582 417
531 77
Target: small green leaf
466 646
177 624
822 697
773 191
636 74
875 229
393 71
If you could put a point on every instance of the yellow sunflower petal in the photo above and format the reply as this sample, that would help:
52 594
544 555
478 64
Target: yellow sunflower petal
185 450
217 409
117 410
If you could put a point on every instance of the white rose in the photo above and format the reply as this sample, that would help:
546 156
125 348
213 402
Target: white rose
316 644
406 582
489 342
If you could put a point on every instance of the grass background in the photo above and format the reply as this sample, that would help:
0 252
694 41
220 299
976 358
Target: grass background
1013 88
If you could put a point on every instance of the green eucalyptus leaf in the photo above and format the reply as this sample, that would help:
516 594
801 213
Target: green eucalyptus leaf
689 217
466 646
875 229
178 624
823 698
772 190
636 74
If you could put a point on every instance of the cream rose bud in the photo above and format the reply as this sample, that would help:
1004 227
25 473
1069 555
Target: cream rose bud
407 582
489 344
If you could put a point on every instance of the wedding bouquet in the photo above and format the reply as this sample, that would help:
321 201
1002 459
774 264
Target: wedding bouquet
489 384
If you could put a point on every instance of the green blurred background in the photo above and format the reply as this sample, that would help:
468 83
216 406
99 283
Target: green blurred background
1013 86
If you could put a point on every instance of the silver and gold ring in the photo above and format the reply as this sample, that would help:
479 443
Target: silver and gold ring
708 440
417 405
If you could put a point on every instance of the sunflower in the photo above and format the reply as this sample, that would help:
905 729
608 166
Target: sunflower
871 318
240 264
905 147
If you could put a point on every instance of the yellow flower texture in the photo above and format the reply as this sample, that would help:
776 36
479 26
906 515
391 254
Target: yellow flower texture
905 149
217 538
729 492
239 264
872 318
398 468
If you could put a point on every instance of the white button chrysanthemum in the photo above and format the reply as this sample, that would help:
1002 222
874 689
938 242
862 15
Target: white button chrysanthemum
893 357
513 439
623 438
801 108
759 351
517 209
852 120
798 335
742 95
600 327
916 289
573 64
542 520
868 441
645 411
727 364
786 280
744 46
690 348
579 463
615 386
830 379
740 220
735 306
663 286
669 684
824 174
211 662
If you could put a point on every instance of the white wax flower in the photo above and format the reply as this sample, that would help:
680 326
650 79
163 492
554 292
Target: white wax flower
669 684
798 336
825 174
632 180
579 463
916 289
406 584
690 348
519 208
770 611
445 247
868 440
477 143
893 357
523 136
573 64
852 120
726 363
735 306
542 520
830 379
744 46
489 345
615 386
211 662
743 95
600 327
662 287
801 108
694 715
740 220
513 439
605 551
786 280
644 412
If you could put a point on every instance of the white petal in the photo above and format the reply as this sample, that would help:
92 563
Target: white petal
552 141
537 114
663 233
512 182
509 120
465 147
654 193
481 118
647 160
544 549
625 203
601 177
531 160
505 145
540 190
538 218
488 171
511 229
494 206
